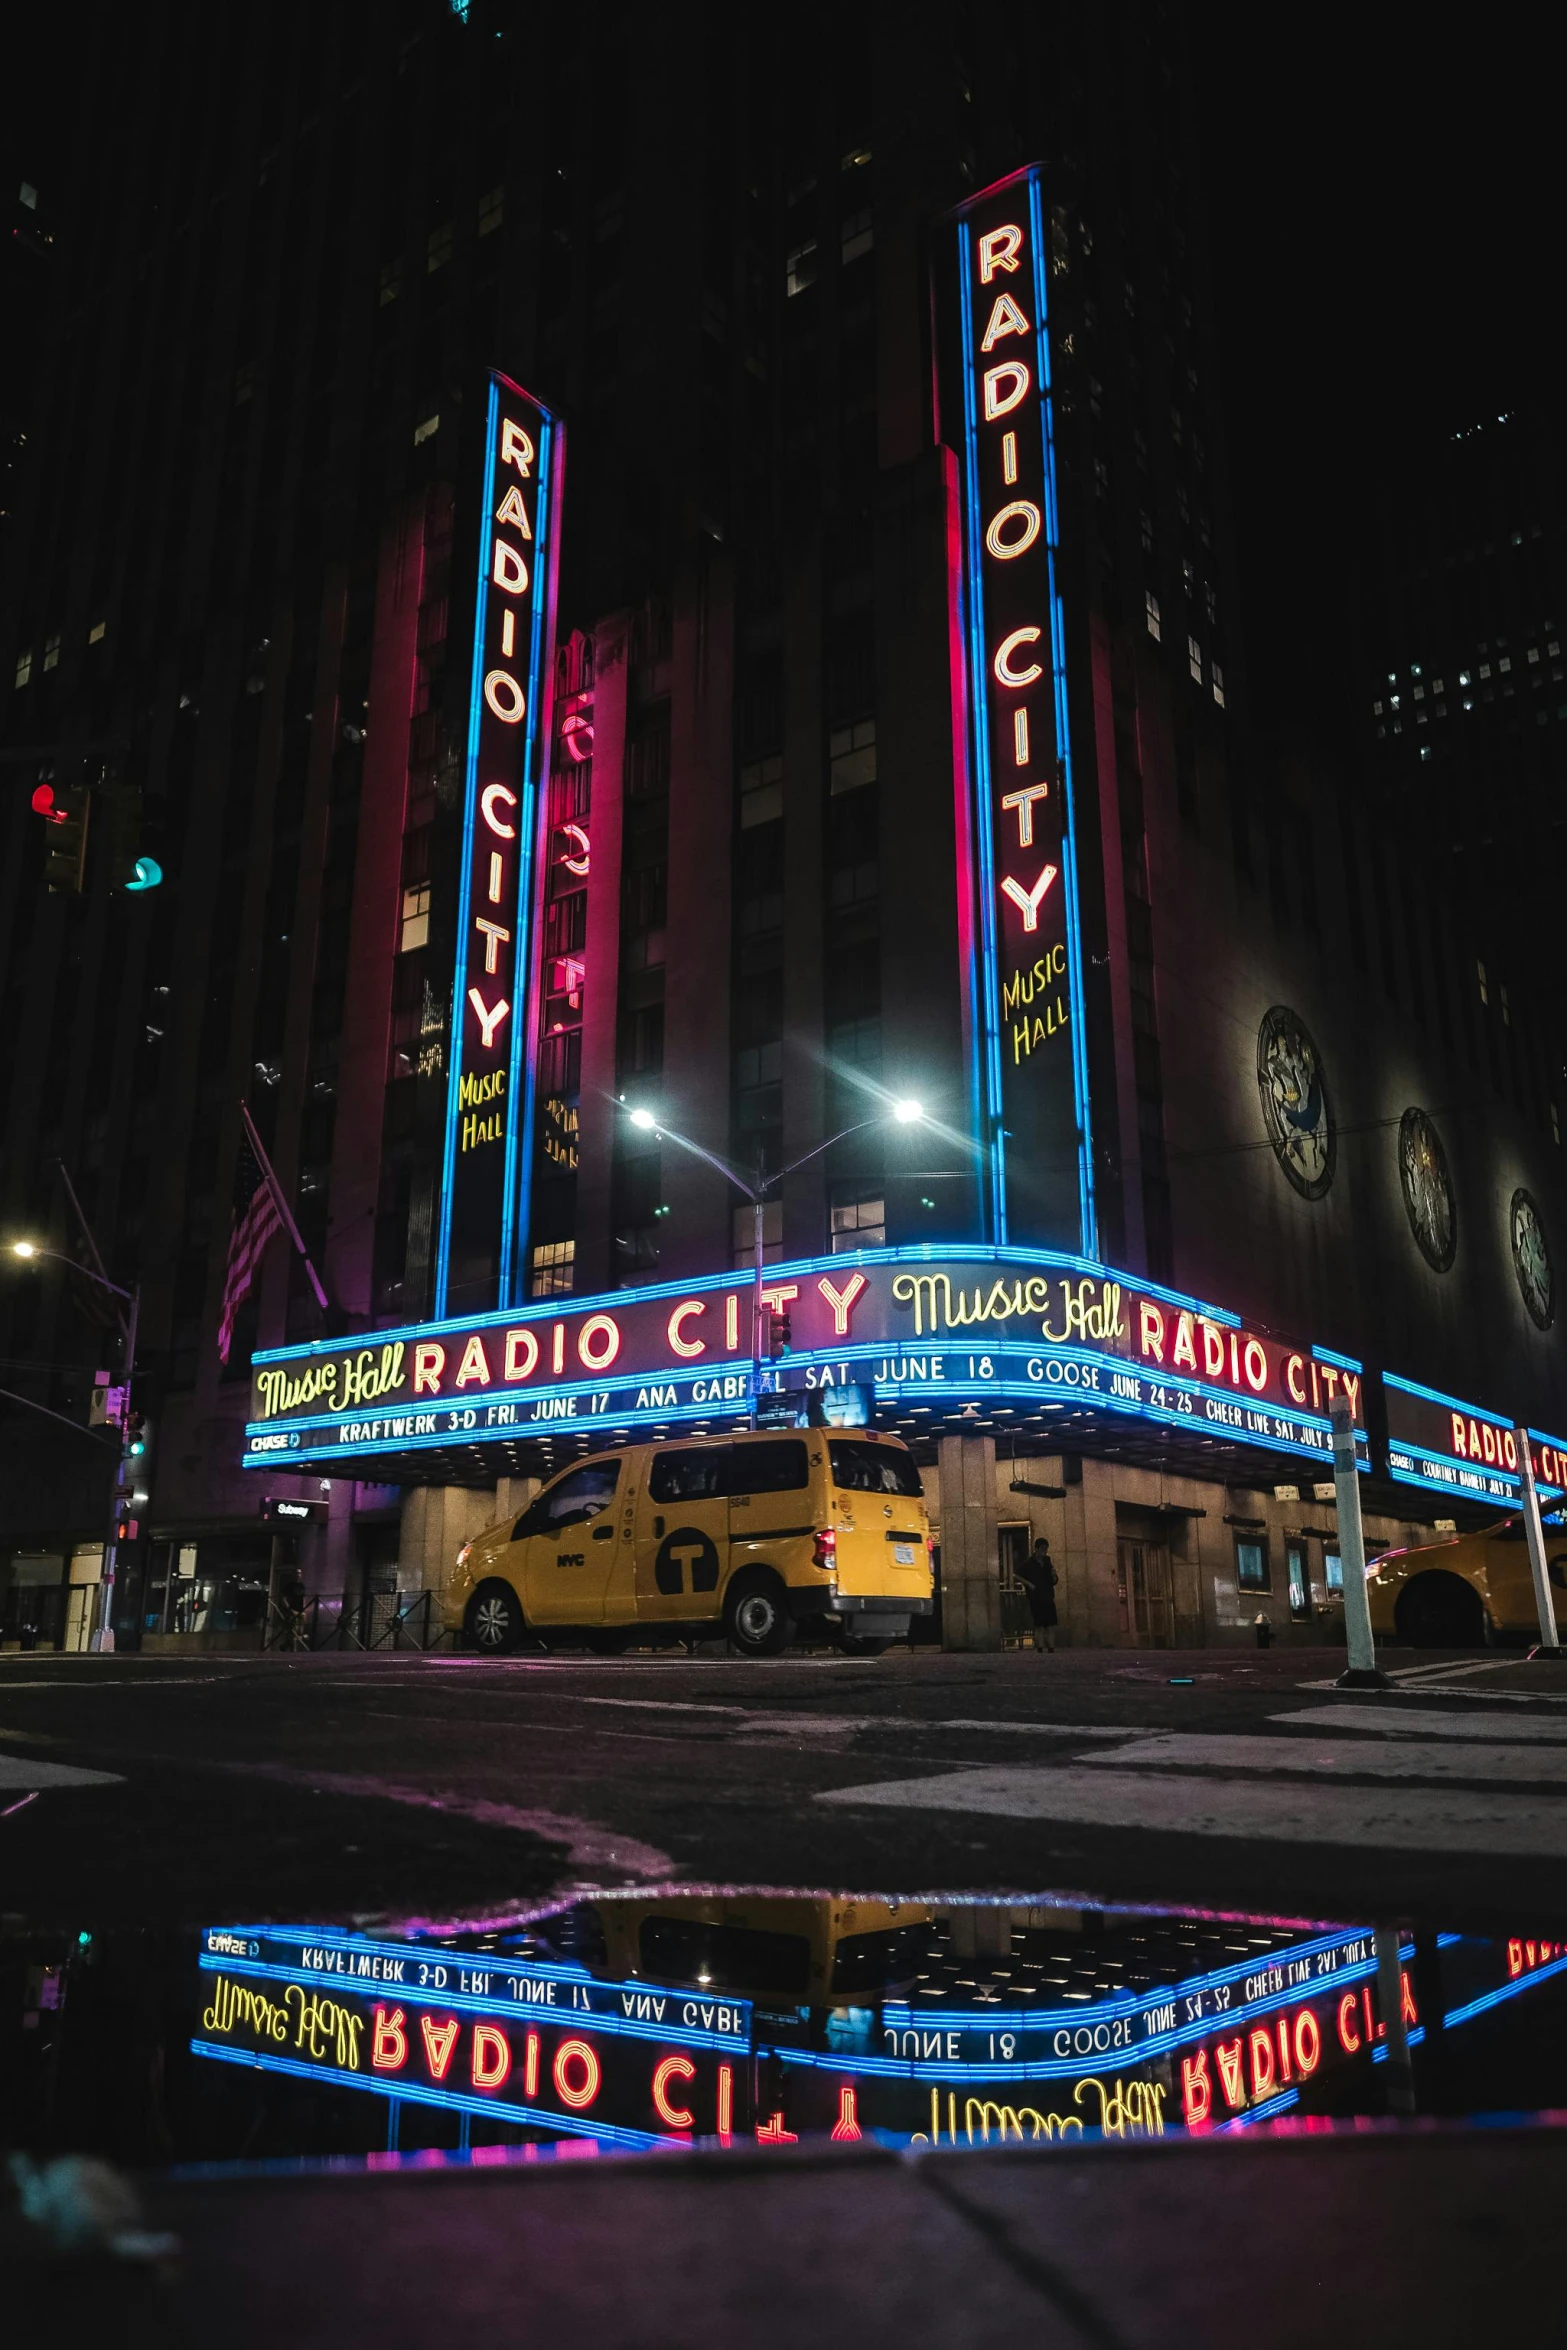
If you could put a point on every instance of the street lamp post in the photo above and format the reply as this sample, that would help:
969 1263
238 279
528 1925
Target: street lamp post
101 1635
903 1112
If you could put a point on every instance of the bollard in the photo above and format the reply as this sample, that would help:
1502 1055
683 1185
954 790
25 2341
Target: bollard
1362 1671
1534 1535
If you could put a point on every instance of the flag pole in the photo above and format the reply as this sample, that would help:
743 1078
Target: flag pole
281 1204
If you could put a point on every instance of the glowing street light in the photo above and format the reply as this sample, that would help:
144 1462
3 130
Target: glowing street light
23 1248
907 1112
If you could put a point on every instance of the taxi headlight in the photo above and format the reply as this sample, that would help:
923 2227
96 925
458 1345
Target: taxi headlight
464 1554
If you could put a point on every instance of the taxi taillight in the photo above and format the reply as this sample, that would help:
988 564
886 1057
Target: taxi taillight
825 1554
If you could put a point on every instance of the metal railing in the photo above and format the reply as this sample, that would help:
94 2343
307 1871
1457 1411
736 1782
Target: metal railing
364 1620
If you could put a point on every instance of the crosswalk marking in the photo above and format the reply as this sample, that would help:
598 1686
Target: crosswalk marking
1423 1721
1397 1758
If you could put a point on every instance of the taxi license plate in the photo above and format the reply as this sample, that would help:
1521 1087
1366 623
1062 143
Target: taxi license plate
903 1554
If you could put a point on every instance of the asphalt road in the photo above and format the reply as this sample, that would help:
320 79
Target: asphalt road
447 1788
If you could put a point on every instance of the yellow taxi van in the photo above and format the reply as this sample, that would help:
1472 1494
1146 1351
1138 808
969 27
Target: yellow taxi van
1464 1590
755 1534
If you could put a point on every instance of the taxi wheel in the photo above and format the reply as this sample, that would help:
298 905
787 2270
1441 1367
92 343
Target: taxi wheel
493 1622
756 1613
1440 1611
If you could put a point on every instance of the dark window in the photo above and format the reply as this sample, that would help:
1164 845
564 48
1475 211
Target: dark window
781 1467
577 1497
689 1950
688 1476
1299 1581
858 1467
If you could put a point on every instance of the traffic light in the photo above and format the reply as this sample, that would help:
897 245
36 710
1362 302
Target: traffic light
129 867
65 810
136 1435
778 1336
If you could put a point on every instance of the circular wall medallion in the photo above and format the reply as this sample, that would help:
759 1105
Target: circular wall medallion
1532 1260
1428 1190
1295 1101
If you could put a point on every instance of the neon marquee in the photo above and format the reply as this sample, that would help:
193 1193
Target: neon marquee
1018 913
490 1080
1446 1446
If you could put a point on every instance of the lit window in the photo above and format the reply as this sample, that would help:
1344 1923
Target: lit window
800 268
1333 1568
552 1268
427 430
1464 677
1534 654
859 1220
1218 685
1485 669
851 751
1145 520
29 195
744 1233
1425 750
416 917
24 666
1188 578
856 236
1505 663
391 281
1376 709
438 249
1437 687
1414 669
1151 607
1420 693
492 210
1251 1564
52 651
95 633
1194 659
1553 648
1485 992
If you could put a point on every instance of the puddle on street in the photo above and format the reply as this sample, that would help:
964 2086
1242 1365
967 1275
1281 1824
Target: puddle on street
653 2021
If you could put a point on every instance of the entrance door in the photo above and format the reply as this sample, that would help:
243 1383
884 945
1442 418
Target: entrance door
1150 1599
1017 1616
570 1535
682 1537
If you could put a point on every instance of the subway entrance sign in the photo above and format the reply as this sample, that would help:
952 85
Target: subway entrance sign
992 1339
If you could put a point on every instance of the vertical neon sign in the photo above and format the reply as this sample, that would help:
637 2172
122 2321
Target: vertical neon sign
489 1103
1020 888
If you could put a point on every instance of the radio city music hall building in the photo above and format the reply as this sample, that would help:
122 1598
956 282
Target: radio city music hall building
718 602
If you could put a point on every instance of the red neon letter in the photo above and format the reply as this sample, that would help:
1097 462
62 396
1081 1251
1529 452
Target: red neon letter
1185 1347
491 2056
1292 1379
505 696
582 861
1005 319
516 447
842 1300
1212 1348
1228 2054
1029 899
1254 1362
389 2044
998 250
1017 379
1005 674
489 1019
673 2068
1150 1330
598 1341
511 509
1263 2074
429 1363
580 2093
726 2099
1022 511
1308 2043
847 2125
774 1300
509 570
474 1364
682 1314
1348 2037
1196 2089
530 2065
530 1354
489 799
439 2041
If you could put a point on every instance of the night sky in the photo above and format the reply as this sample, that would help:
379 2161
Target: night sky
1386 217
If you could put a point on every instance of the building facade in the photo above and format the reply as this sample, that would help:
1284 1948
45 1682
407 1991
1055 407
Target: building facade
246 621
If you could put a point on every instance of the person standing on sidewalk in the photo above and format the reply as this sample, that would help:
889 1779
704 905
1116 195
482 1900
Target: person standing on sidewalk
1039 1578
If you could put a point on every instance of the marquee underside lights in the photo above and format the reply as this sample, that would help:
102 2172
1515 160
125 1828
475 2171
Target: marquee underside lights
962 1330
489 1113
1018 912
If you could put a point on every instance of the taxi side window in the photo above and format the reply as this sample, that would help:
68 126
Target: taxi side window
779 1467
697 1475
572 1502
858 1467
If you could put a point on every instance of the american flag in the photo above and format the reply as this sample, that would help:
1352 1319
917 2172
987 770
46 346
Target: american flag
257 1222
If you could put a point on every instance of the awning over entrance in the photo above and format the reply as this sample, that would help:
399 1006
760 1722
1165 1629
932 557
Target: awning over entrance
1042 1351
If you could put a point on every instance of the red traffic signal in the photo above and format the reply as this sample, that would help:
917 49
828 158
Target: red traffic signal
779 1336
43 804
